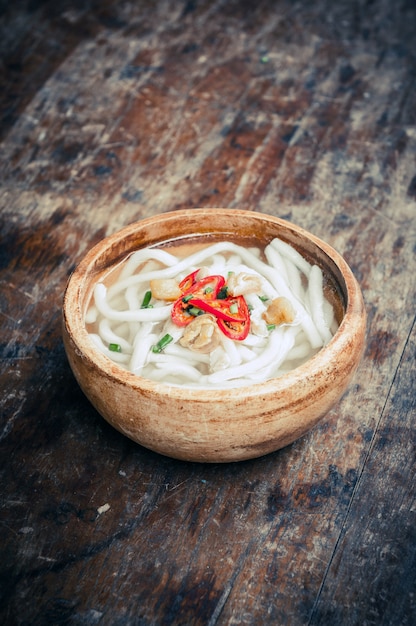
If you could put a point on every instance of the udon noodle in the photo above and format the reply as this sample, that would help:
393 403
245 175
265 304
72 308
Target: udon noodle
132 324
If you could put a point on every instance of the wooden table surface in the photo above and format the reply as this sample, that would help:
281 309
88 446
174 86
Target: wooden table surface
114 111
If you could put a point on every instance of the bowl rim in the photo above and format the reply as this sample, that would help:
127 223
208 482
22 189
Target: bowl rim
75 329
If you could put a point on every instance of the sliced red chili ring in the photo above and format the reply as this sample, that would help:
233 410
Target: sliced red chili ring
188 281
179 314
235 330
224 309
206 288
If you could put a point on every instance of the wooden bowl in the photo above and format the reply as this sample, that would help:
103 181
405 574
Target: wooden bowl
221 425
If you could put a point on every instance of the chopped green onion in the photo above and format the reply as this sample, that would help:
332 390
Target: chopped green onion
230 273
193 310
233 308
208 290
146 300
271 327
187 298
223 293
263 298
162 343
114 347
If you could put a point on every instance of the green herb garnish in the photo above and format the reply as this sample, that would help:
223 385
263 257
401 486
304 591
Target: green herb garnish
223 293
162 343
193 310
146 300
114 347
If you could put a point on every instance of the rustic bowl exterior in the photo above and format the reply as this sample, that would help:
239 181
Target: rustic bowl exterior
219 425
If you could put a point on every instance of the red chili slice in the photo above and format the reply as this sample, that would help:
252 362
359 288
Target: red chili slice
207 287
198 291
222 308
188 281
235 330
179 314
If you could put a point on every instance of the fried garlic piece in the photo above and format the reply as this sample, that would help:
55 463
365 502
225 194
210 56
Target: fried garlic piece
165 289
201 335
279 311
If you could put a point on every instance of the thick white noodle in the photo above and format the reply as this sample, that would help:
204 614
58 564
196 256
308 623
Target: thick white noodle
133 299
156 314
245 353
266 287
255 341
299 352
177 351
91 314
108 335
118 357
329 315
164 370
118 303
140 256
123 330
239 371
275 260
231 351
295 279
271 369
289 252
141 349
235 259
134 329
316 299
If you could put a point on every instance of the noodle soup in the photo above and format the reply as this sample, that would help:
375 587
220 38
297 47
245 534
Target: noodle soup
213 314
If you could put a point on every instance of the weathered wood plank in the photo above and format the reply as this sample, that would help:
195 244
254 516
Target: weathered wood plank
371 579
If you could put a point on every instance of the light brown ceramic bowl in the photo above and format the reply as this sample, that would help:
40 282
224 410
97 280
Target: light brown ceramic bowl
223 425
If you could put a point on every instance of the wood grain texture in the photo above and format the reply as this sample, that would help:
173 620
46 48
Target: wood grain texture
115 111
377 531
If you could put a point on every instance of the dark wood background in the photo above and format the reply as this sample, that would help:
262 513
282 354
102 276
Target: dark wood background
115 111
